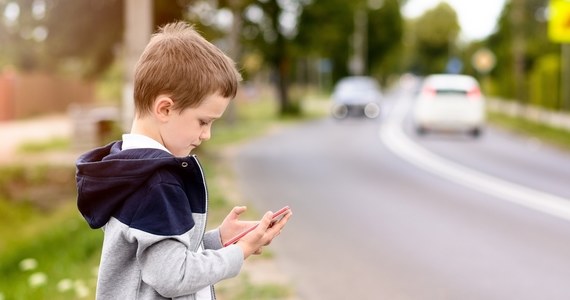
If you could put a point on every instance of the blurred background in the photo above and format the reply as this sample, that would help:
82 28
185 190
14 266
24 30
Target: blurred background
403 187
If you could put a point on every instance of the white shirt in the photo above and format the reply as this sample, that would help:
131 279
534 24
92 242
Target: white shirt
137 141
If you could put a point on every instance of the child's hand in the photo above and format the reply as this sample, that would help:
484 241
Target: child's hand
232 226
253 242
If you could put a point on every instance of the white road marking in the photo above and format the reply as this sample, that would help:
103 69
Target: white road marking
393 136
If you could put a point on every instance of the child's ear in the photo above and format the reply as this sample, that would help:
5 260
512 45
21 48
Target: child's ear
162 107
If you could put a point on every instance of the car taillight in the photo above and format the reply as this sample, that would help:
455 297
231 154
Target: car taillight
475 92
429 91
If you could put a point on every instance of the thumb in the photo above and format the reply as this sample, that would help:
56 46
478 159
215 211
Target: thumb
266 220
236 211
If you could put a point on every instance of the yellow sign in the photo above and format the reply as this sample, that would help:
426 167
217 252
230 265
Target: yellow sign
559 23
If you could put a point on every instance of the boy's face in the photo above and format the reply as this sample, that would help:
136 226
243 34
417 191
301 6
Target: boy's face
187 129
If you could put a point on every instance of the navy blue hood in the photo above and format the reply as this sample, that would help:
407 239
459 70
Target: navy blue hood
107 176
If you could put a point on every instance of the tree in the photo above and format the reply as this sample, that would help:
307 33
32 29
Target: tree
516 59
327 29
435 33
385 34
83 39
269 26
79 37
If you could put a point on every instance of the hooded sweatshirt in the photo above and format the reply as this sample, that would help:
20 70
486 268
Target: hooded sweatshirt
152 207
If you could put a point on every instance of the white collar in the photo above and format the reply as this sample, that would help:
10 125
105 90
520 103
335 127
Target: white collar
137 141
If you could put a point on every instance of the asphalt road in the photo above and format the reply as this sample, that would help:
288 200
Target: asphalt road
380 213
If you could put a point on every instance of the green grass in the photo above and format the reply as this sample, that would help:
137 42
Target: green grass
49 145
243 289
45 242
554 136
58 247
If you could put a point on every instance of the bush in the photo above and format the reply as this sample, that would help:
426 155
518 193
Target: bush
545 82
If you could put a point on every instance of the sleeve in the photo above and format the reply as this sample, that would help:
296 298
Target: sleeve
167 250
173 270
213 240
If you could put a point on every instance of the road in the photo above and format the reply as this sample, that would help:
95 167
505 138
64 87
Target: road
380 213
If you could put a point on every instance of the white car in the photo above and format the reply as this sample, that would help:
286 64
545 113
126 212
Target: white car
449 102
356 95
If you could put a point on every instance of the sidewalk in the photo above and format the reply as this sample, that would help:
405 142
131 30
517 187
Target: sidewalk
15 133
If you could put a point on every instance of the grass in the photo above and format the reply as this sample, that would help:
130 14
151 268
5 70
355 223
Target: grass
45 251
554 136
242 288
43 146
46 247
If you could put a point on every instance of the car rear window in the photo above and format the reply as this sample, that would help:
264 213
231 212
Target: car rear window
451 92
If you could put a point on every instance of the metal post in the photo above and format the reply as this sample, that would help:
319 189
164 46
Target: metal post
138 28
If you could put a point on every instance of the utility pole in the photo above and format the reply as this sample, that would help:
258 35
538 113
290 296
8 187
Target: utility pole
357 64
234 50
138 28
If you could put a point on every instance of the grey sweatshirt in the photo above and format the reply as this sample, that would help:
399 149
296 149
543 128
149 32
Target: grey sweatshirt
152 207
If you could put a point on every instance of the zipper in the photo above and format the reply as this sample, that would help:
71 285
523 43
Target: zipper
205 194
212 291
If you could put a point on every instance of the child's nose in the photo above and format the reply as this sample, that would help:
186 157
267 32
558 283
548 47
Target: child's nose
205 134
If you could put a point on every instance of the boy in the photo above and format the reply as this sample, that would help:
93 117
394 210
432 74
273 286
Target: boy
150 196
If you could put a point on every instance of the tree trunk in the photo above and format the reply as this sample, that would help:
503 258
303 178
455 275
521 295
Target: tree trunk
517 22
283 87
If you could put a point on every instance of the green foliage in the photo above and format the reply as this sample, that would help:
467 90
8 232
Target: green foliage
545 82
385 32
532 30
328 30
435 33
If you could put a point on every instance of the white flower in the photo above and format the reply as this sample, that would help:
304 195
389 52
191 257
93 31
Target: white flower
81 289
37 279
64 285
28 264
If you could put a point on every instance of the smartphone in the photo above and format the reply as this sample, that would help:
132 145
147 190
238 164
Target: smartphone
276 217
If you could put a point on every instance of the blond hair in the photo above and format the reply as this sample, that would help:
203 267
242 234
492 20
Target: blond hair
180 63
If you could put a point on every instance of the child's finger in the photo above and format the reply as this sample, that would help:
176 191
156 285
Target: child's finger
265 221
278 226
236 211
